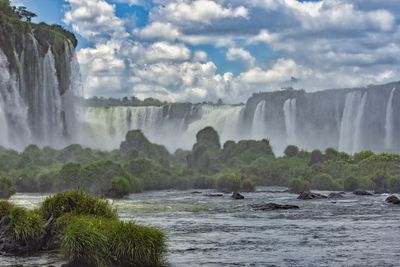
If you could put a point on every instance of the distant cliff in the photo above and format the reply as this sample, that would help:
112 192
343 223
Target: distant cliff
346 119
39 77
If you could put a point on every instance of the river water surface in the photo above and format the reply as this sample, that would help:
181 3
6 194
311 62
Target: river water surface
220 231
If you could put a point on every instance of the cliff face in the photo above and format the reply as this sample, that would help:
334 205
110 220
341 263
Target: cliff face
346 119
39 75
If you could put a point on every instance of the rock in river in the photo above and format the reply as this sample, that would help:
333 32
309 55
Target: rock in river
310 195
273 206
393 200
237 195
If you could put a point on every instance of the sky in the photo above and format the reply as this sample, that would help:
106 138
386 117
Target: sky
202 50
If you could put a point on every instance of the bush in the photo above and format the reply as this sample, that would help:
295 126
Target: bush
135 245
204 182
248 185
26 226
85 241
298 185
230 181
323 181
104 242
316 157
77 203
6 188
5 208
394 184
291 151
119 187
351 184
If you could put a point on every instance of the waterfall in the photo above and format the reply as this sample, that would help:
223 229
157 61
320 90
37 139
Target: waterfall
14 130
36 104
389 122
259 126
110 125
290 113
350 139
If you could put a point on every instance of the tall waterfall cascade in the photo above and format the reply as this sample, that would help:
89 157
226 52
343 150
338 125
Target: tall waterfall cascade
389 121
289 110
33 107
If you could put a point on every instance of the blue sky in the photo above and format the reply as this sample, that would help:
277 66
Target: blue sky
197 50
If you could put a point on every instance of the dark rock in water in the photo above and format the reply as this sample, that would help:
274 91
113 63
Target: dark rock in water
196 192
213 195
335 195
310 195
362 193
273 206
237 195
393 200
381 191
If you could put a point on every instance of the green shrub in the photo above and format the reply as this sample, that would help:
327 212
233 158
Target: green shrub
291 151
78 203
5 208
136 245
204 182
298 185
26 226
394 184
119 187
85 240
323 181
230 181
6 188
351 184
248 185
104 242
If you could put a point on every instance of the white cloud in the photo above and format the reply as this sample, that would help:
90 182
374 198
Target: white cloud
163 51
200 11
241 55
325 44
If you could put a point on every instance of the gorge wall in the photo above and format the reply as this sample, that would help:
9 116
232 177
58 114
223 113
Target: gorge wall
346 119
39 84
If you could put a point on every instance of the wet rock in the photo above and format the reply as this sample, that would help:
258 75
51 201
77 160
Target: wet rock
393 200
335 196
273 206
75 264
237 195
196 192
310 195
362 193
213 195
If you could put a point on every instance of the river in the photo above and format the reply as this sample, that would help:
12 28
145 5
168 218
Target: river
220 231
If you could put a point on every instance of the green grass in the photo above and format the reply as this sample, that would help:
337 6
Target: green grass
77 203
104 242
5 208
25 225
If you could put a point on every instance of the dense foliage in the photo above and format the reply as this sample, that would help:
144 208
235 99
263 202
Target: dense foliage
141 165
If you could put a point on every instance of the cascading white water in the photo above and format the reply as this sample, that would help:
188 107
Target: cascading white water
350 139
14 129
259 126
110 125
35 107
290 113
389 122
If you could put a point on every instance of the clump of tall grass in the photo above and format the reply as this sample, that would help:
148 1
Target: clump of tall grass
136 245
5 207
26 226
106 242
77 203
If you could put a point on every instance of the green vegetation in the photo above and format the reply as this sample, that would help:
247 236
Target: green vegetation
6 187
236 166
85 228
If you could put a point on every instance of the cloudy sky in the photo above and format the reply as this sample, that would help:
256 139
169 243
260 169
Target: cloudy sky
179 50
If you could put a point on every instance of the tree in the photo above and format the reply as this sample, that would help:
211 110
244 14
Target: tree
291 151
316 157
23 13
